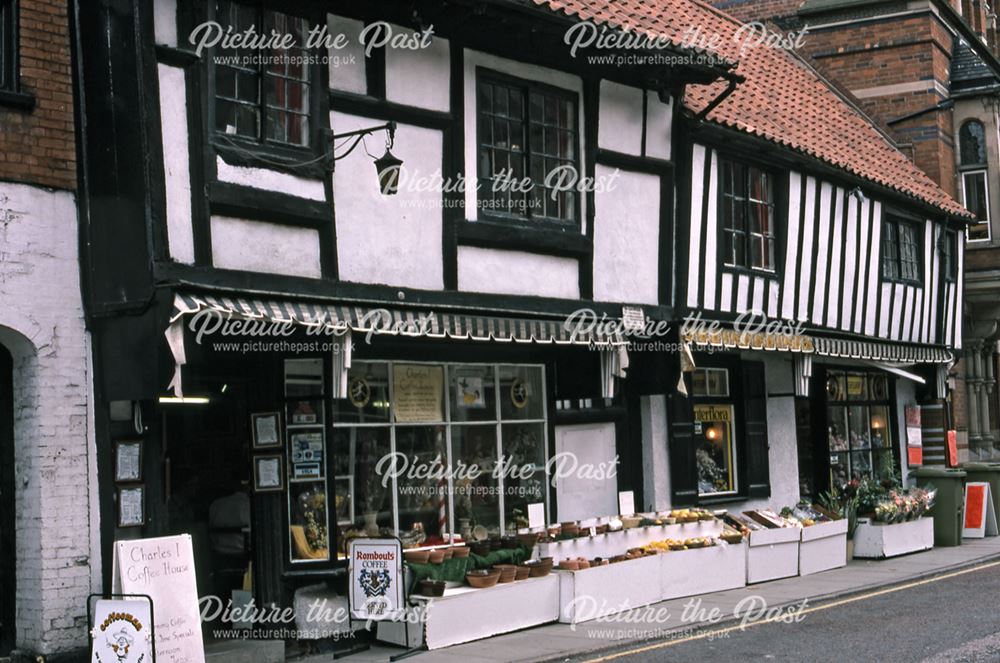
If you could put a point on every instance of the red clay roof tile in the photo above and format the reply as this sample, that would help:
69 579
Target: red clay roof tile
783 100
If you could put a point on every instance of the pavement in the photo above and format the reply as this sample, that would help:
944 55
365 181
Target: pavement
682 618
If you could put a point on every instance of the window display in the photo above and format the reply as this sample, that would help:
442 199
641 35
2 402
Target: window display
713 427
436 451
857 424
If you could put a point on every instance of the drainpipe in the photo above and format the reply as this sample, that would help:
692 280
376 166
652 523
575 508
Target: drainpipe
734 80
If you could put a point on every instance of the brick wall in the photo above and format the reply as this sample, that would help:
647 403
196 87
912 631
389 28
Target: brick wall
42 325
780 11
37 146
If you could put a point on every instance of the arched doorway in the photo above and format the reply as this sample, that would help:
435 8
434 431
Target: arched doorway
7 503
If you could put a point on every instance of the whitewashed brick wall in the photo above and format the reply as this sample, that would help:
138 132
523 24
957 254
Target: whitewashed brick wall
41 323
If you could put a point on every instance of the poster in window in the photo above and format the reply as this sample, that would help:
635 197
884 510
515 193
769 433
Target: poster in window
132 506
128 460
418 393
266 428
267 474
469 392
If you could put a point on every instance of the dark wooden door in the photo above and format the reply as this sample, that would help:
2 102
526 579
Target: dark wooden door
8 590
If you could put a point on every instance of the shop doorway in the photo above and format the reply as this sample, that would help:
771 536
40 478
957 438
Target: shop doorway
580 494
8 559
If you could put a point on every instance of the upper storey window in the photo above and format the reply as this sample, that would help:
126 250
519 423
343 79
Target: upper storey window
263 95
526 132
747 217
975 185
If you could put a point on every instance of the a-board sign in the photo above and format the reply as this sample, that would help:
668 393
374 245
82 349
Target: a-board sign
375 570
980 517
163 568
122 631
626 503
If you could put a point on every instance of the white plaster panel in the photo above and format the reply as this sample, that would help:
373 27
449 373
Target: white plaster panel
626 237
347 64
177 178
620 125
392 240
474 59
257 246
418 77
659 126
165 22
655 466
581 497
270 180
517 273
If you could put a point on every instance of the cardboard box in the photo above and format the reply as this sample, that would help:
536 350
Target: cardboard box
875 541
465 614
823 547
773 554
606 590
702 570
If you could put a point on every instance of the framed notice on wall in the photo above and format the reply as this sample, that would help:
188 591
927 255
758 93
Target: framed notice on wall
128 460
418 393
266 429
268 474
131 506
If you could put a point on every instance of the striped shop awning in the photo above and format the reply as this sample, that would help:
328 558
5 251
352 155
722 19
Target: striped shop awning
394 322
877 351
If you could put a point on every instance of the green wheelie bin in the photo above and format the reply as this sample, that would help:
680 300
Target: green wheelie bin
988 472
947 509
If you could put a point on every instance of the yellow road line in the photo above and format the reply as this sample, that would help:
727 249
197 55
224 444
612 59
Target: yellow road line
825 606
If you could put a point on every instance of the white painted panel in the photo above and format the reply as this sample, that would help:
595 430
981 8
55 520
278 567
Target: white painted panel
909 298
165 23
626 239
393 240
591 445
883 327
960 289
474 59
655 462
834 291
698 155
933 292
619 127
850 290
347 63
418 77
773 295
271 180
873 270
820 289
711 255
726 293
659 126
177 178
808 258
758 293
930 241
257 246
949 314
896 314
792 245
864 255
742 293
517 273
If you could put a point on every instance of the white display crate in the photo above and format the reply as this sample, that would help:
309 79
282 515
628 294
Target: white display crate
617 543
773 554
606 590
823 547
702 570
878 541
465 614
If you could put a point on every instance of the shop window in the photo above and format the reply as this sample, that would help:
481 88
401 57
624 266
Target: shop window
858 431
8 45
305 429
262 96
747 217
900 251
526 130
713 428
428 451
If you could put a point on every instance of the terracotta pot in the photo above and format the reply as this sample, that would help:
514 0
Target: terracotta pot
430 587
482 579
436 556
460 552
416 556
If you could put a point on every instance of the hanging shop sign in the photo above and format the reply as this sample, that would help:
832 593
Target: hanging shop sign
375 569
122 631
359 392
743 340
163 569
417 393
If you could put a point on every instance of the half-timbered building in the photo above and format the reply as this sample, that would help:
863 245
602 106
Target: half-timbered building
280 303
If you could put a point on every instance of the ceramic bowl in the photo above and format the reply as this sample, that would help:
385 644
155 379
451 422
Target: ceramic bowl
460 552
430 587
448 553
481 579
436 556
416 556
570 565
507 572
522 572
528 539
537 569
